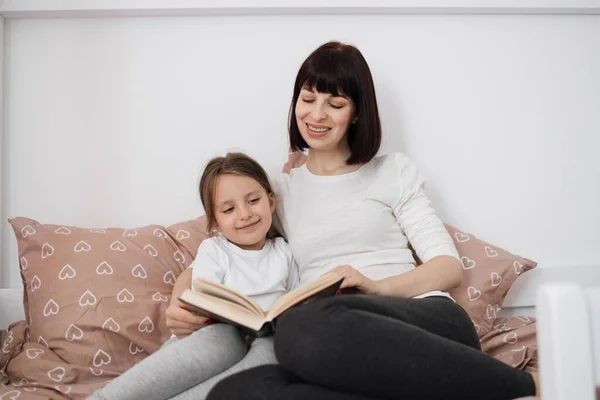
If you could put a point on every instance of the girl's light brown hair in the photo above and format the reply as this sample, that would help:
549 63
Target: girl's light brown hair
233 164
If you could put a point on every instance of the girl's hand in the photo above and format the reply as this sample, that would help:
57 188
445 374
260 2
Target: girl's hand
353 278
181 321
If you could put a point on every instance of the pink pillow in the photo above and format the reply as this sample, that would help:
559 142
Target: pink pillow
95 299
513 341
489 272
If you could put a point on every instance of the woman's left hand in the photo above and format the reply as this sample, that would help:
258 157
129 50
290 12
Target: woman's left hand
353 278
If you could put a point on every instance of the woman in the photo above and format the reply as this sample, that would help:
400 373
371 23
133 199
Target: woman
352 212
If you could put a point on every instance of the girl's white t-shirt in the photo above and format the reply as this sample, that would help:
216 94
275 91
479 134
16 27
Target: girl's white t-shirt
264 275
364 218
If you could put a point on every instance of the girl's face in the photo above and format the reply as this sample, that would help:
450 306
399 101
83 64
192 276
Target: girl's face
323 119
243 211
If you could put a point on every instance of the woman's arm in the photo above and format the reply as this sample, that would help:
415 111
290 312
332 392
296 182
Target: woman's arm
427 234
440 273
180 321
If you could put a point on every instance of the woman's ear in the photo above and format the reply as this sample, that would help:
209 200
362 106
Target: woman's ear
355 119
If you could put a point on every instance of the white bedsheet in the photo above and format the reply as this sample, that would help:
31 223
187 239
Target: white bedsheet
11 307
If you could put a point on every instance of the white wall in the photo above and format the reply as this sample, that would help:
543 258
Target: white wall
109 121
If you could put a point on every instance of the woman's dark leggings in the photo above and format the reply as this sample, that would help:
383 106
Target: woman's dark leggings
376 347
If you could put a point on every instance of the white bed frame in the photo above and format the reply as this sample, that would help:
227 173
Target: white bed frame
566 301
569 341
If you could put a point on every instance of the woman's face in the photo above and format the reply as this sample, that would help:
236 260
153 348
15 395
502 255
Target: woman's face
323 119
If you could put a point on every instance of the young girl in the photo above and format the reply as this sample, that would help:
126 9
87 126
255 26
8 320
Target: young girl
239 203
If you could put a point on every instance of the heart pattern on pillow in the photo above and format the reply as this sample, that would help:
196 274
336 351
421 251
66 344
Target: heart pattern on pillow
95 300
488 274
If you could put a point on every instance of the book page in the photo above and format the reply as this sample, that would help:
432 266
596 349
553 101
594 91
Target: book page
304 292
221 291
222 310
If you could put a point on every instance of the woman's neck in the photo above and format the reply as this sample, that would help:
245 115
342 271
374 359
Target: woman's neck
329 162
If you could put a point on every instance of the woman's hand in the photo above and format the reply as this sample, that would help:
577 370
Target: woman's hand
181 321
353 278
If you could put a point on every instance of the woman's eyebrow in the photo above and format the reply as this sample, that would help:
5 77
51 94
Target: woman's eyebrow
341 96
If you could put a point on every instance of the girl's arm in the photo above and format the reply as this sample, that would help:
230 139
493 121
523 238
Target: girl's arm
180 321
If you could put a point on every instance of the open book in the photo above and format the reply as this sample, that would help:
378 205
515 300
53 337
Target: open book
220 303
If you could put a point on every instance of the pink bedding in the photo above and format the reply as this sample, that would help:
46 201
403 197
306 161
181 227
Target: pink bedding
30 370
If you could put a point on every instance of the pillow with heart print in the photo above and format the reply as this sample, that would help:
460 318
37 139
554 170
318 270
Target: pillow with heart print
488 274
96 297
31 371
513 340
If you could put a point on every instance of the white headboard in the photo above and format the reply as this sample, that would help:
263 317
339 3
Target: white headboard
108 118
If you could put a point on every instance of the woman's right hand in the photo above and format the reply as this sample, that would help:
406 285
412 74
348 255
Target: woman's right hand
181 321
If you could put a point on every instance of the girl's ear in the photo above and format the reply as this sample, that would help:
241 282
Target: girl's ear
272 202
215 229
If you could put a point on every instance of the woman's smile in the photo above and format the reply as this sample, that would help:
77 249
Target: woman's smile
317 131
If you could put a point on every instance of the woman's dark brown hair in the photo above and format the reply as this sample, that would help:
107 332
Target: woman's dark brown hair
341 70
233 164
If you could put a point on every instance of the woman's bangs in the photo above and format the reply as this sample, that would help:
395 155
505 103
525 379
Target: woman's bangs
325 78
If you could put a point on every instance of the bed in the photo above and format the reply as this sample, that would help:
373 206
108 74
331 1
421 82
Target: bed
111 107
